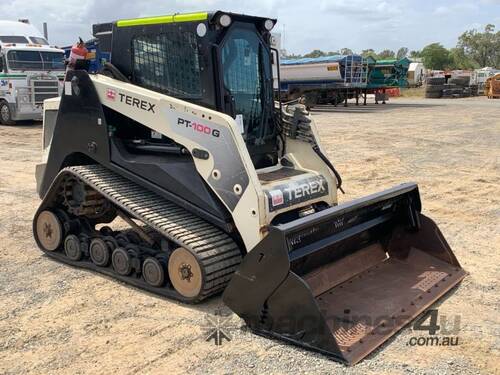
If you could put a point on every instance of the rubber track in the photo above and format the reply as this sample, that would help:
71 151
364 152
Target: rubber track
219 255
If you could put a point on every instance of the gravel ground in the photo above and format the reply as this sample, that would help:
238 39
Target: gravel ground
57 319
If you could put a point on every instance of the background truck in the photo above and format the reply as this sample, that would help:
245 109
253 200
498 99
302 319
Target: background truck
30 71
323 80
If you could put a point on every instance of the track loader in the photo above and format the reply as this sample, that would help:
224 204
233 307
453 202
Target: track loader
215 187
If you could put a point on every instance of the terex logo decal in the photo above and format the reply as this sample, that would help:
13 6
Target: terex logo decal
276 197
111 94
296 192
138 103
200 128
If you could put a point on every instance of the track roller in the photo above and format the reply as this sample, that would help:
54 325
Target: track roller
111 243
72 247
121 261
49 230
185 272
99 252
153 272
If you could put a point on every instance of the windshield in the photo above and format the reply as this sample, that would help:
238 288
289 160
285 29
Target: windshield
39 40
35 60
13 39
248 81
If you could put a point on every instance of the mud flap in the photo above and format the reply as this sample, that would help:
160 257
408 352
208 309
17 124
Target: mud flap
343 280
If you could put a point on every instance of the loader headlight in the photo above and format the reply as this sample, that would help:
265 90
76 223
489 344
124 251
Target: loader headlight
268 25
225 20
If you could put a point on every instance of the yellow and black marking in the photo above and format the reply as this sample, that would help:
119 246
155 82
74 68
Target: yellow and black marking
173 18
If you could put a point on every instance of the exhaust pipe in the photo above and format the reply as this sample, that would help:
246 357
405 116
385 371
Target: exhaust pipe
45 31
344 280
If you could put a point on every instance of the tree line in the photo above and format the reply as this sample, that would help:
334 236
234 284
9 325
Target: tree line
474 49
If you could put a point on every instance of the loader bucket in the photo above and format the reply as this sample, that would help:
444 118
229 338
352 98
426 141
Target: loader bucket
344 280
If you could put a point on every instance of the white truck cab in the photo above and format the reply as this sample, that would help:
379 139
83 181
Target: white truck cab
30 71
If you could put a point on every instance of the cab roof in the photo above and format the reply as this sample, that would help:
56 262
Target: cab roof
26 30
29 47
186 17
16 28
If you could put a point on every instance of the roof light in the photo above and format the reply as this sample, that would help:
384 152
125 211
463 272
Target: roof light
225 20
201 30
269 24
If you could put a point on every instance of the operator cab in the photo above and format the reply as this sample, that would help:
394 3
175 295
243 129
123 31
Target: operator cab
218 60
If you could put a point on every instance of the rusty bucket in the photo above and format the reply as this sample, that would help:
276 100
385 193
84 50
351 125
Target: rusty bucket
344 280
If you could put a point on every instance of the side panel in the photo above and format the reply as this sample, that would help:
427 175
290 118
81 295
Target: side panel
228 170
80 129
81 137
172 172
311 72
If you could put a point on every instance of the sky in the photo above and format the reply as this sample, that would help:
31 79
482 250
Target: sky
328 25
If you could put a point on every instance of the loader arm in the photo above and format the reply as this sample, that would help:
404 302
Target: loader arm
219 152
221 156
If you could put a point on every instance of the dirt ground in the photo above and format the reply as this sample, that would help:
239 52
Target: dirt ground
57 319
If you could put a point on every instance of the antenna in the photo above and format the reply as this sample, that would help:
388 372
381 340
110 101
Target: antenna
45 31
283 38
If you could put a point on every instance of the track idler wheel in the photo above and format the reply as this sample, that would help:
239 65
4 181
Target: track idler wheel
72 247
153 272
185 273
121 261
49 230
99 252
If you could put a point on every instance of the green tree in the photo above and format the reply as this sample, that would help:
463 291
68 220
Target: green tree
482 48
402 52
414 54
435 56
369 53
459 60
346 51
290 56
387 54
333 53
315 53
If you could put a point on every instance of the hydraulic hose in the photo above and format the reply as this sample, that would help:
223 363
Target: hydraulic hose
330 165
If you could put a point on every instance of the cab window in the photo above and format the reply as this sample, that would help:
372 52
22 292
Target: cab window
38 40
13 39
162 63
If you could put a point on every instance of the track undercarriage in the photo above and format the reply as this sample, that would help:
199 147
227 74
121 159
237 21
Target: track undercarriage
165 250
